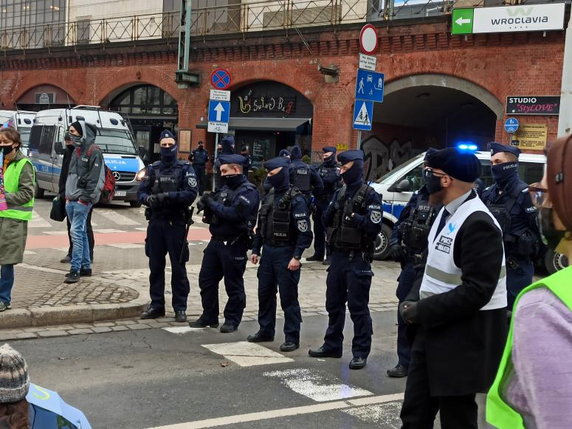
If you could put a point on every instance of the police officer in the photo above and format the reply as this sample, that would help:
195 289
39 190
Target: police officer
247 159
510 203
283 232
330 175
408 243
225 147
353 220
169 188
304 177
199 157
266 185
231 215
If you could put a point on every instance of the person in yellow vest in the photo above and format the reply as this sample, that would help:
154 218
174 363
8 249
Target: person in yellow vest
19 179
533 386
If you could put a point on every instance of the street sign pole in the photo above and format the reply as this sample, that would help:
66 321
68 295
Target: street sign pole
358 139
215 158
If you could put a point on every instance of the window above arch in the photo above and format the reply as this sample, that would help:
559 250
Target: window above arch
145 100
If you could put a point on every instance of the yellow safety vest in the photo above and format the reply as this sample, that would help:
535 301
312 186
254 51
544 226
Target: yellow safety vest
499 413
11 185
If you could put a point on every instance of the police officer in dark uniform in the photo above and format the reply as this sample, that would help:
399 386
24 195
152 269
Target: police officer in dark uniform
304 177
283 232
247 159
510 203
169 188
408 244
330 175
266 185
231 215
353 220
225 147
199 157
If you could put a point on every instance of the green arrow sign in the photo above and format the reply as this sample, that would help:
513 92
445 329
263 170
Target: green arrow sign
462 21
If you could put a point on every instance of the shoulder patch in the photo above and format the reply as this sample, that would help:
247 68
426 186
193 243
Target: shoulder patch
302 225
375 216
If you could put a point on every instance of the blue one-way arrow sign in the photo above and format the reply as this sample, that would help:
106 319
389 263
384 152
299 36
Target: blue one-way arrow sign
219 116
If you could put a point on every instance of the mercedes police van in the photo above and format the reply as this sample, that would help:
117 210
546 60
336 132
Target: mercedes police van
114 137
397 186
22 121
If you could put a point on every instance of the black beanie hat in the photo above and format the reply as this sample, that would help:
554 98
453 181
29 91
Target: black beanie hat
463 166
77 127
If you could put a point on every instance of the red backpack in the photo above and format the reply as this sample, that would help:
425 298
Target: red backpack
108 190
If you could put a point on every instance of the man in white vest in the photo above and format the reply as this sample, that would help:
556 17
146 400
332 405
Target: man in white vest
458 308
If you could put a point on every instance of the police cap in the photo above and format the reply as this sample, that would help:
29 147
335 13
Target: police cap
463 166
232 159
350 155
279 161
284 153
499 147
327 149
429 152
166 134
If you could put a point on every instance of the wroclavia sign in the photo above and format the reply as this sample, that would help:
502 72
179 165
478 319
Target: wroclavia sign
508 19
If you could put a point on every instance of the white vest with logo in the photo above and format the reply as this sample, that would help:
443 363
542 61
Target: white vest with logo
441 274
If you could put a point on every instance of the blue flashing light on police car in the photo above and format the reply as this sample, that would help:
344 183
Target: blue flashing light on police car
467 147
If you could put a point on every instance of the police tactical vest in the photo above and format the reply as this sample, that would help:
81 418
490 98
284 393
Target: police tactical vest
343 234
499 412
226 197
275 221
11 185
325 171
167 181
415 229
302 179
441 274
501 212
199 157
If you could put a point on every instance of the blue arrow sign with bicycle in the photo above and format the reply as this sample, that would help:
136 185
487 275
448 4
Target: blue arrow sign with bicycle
369 86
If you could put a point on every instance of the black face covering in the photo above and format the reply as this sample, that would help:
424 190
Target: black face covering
232 180
280 180
432 182
354 174
504 173
169 154
7 150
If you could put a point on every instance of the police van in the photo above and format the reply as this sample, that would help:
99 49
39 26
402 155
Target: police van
114 137
22 121
398 185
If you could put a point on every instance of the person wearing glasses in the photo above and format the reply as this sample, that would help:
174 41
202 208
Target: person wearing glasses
459 307
509 202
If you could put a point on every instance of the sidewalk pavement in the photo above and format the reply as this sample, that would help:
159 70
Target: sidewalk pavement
41 299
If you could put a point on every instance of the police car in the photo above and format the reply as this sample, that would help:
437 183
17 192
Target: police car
398 185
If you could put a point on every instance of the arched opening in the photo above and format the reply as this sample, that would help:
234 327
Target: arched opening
44 97
425 111
150 110
267 116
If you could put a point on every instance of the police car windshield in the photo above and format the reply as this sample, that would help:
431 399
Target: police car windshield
115 141
398 170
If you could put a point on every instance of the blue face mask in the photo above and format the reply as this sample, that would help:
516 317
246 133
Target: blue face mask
280 180
504 173
169 154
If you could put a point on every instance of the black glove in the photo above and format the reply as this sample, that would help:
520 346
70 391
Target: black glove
408 311
156 200
396 252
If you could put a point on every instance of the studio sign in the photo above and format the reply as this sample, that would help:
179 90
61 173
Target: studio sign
249 104
533 105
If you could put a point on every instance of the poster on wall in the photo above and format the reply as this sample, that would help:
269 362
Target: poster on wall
532 136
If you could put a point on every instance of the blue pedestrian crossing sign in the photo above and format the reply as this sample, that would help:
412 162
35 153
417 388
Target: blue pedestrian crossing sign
511 125
369 85
219 116
363 115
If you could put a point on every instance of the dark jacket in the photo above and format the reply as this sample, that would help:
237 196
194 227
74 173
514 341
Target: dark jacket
86 171
463 345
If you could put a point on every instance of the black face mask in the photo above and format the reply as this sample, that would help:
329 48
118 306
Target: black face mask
432 182
169 154
504 173
7 150
354 174
280 180
232 180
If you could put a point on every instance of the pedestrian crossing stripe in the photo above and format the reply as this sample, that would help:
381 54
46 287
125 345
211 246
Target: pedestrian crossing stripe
246 354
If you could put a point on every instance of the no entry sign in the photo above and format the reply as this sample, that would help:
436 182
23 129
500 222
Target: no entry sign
220 79
368 39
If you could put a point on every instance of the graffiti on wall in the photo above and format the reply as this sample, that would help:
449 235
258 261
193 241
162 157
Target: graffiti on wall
382 157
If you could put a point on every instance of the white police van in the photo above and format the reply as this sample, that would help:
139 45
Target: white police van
22 121
114 137
397 186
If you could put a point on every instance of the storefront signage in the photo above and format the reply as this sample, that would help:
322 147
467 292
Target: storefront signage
532 136
249 104
533 105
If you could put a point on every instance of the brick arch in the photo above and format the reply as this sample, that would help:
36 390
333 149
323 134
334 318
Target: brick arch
447 81
104 102
29 82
